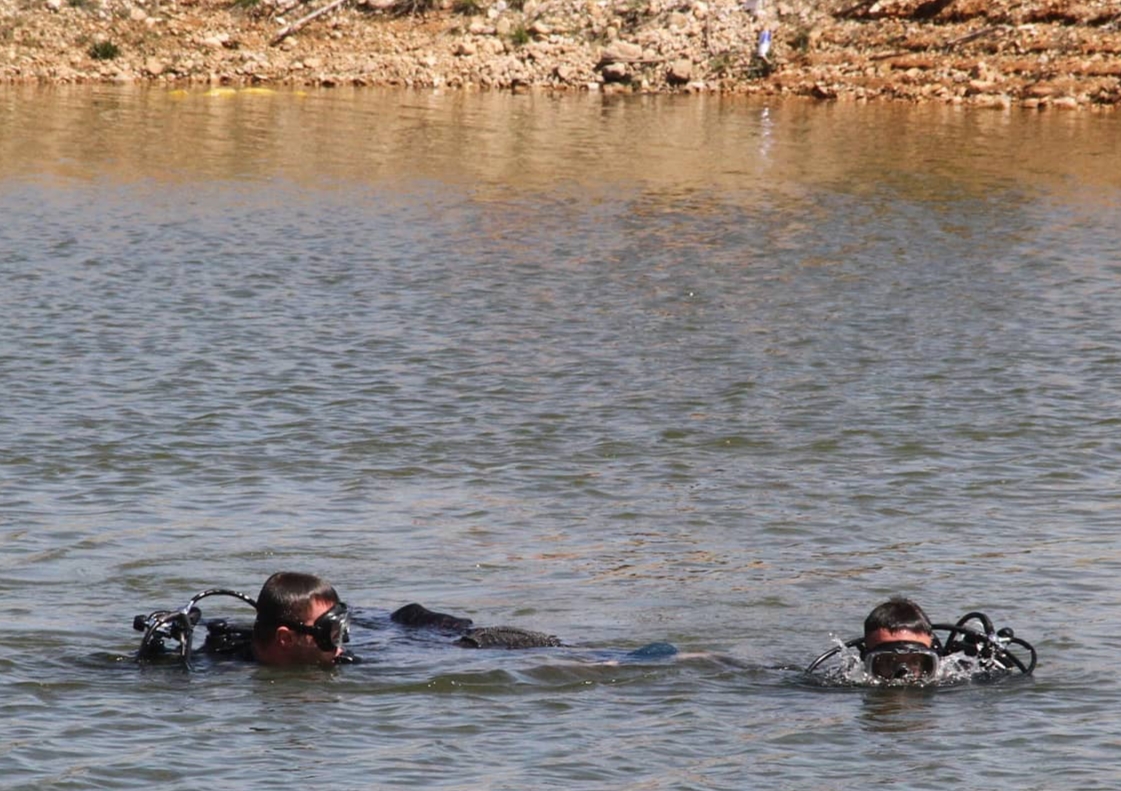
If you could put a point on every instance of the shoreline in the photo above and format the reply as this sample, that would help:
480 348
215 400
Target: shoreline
1062 55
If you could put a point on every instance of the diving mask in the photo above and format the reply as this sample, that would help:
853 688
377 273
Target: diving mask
330 630
902 660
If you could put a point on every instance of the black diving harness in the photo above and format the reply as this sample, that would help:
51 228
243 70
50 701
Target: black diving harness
178 626
992 649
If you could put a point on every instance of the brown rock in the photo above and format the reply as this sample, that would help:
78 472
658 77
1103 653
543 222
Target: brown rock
1042 90
680 71
615 72
621 52
908 62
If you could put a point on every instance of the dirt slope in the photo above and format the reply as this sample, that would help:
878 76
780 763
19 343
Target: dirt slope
1052 53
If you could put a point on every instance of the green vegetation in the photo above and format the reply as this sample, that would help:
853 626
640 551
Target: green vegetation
721 65
759 68
800 41
104 50
519 36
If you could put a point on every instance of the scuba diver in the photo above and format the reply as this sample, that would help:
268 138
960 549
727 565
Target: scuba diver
300 620
901 646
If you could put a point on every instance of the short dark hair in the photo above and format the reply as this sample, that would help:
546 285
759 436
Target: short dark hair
287 596
896 615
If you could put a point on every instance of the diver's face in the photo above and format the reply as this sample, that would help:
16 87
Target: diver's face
900 655
292 645
304 649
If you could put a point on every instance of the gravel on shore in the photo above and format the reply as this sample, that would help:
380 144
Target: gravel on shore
1040 54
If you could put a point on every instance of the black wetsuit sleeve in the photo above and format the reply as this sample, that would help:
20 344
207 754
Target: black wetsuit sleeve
506 637
419 616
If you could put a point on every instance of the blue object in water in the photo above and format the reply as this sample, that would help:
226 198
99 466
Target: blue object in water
660 650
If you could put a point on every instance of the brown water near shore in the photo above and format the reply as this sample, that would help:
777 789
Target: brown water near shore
1042 54
698 142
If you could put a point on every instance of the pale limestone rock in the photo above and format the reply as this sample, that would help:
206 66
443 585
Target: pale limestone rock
621 51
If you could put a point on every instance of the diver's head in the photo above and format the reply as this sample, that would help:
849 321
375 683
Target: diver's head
899 642
300 621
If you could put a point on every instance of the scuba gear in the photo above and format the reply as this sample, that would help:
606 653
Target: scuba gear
992 650
991 647
170 633
226 638
330 630
179 626
902 660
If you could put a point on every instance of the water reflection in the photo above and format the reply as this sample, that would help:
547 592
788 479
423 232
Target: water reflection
495 143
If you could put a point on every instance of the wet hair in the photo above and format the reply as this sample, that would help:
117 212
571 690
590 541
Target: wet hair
288 596
897 615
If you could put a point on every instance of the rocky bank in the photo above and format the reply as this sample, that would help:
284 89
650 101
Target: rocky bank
1043 54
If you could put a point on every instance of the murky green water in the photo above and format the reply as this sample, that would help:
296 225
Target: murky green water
715 372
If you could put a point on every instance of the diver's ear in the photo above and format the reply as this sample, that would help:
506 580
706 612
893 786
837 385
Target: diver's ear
285 637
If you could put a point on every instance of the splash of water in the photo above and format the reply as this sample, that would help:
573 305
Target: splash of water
846 669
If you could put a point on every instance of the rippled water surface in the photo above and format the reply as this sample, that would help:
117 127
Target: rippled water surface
715 372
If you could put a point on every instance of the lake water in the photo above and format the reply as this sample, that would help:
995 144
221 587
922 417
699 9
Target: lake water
714 371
